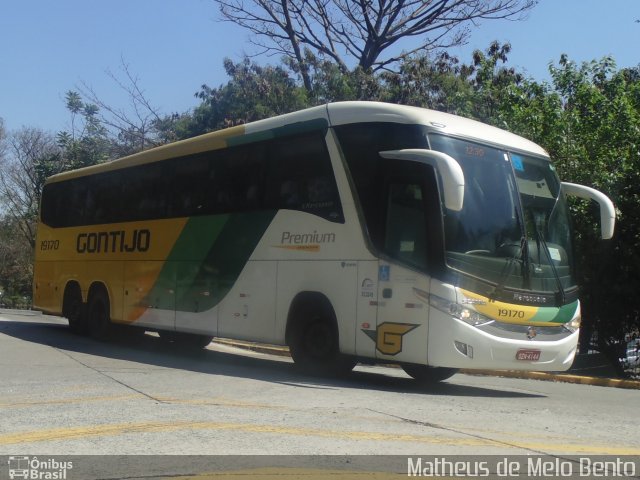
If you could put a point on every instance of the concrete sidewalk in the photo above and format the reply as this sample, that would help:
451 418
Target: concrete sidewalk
552 377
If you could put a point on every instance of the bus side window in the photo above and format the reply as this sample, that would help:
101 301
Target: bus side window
191 180
253 188
301 177
106 192
64 204
54 208
289 194
75 204
238 183
405 226
143 193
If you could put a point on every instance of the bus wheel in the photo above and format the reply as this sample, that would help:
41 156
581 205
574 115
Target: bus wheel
314 344
428 375
187 340
99 321
74 309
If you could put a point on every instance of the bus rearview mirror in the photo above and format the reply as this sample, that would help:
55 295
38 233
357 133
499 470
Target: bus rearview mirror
607 210
448 168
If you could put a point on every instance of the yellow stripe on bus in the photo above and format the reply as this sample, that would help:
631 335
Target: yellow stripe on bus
504 312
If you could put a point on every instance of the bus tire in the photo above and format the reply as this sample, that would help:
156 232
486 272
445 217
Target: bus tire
99 315
428 375
74 309
186 340
313 339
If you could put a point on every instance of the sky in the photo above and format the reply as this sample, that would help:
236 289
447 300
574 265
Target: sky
174 46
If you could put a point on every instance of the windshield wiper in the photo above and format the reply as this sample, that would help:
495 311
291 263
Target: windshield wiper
521 254
540 240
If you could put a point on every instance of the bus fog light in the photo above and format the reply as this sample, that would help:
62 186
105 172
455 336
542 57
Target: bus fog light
463 348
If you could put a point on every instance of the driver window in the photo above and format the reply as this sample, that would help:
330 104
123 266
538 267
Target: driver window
405 226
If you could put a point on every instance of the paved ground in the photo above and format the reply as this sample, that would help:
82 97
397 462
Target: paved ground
65 394
567 377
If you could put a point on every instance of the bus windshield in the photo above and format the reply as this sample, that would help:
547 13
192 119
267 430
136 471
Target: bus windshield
513 229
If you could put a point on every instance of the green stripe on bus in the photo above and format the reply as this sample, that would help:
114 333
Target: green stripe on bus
207 259
560 315
197 237
284 131
183 262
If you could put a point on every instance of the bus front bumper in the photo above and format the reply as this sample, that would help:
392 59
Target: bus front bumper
454 343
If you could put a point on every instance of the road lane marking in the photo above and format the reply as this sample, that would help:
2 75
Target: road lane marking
297 473
75 433
222 402
65 401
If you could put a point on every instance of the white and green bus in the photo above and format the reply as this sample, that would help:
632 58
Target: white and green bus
354 231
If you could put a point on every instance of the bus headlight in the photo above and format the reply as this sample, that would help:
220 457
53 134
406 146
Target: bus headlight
574 324
461 312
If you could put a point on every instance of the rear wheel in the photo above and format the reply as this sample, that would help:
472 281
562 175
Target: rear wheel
99 318
428 375
314 343
74 309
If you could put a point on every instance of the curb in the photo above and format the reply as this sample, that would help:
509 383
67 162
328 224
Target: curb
549 377
24 313
558 377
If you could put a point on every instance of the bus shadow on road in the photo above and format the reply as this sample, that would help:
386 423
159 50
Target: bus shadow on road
153 351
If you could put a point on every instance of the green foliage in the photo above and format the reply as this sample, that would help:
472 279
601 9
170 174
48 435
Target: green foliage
440 83
601 149
16 265
252 93
588 118
87 143
30 156
332 83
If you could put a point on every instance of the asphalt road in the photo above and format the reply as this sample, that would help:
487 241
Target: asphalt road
69 395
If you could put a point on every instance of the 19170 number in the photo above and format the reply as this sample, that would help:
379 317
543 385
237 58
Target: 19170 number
508 313
49 245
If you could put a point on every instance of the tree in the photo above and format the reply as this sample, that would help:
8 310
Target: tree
362 32
588 119
440 83
253 92
329 83
16 265
29 157
133 128
601 123
87 142
3 135
32 155
101 131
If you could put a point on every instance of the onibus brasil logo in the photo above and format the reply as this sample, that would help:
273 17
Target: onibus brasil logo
34 469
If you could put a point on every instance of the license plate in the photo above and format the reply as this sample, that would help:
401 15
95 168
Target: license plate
528 355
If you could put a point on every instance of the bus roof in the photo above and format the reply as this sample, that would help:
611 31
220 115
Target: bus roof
332 114
354 112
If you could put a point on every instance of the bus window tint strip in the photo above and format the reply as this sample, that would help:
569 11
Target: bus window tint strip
284 173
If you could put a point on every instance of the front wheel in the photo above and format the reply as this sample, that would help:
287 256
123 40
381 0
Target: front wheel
428 375
314 347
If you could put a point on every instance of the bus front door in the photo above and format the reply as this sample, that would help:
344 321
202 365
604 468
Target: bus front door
401 331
